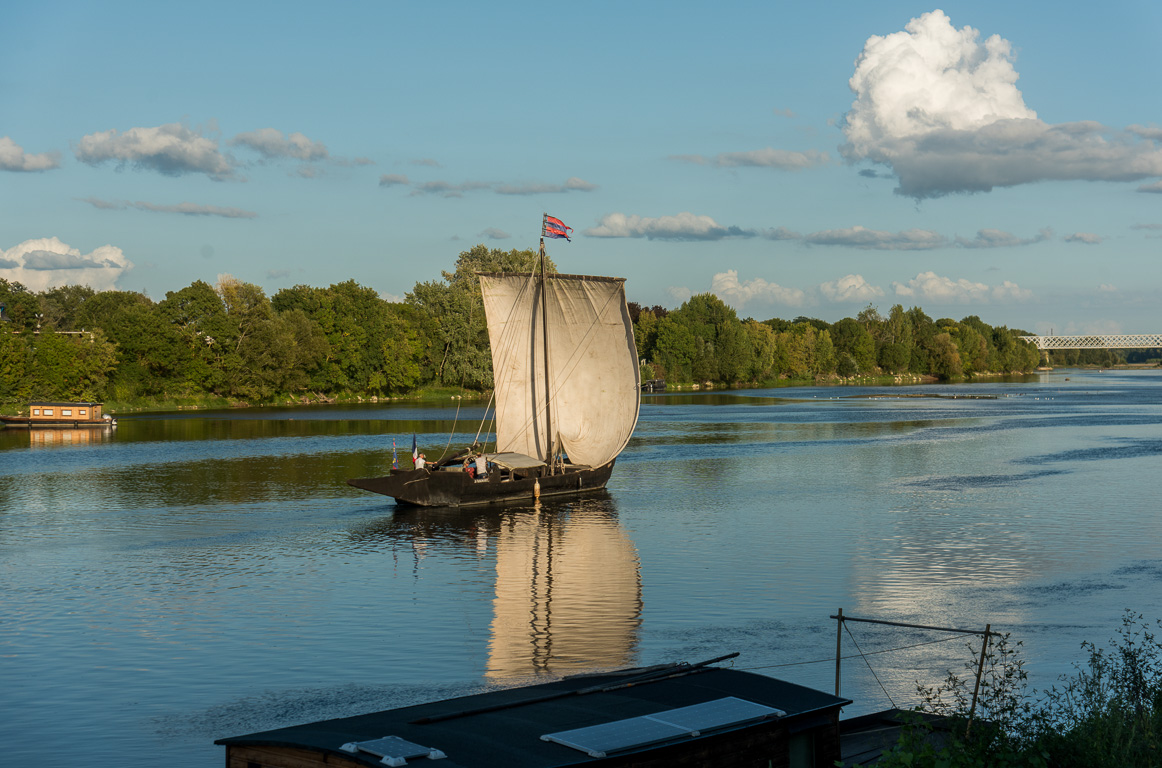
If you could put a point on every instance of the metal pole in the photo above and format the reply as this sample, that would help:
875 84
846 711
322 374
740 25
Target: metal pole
979 672
838 647
545 340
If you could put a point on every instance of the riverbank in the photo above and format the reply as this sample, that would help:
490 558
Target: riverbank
437 394
209 402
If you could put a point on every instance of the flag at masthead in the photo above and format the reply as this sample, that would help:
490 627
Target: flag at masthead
555 228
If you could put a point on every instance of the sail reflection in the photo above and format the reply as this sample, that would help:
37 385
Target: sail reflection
567 595
568 591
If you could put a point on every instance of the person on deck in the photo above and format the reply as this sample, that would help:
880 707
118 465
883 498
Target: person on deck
481 466
420 461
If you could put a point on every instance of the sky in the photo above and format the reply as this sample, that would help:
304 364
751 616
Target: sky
980 158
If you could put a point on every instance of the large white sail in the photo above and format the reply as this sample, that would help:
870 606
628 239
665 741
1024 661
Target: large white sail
594 388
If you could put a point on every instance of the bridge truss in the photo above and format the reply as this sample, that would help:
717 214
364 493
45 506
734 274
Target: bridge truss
1103 341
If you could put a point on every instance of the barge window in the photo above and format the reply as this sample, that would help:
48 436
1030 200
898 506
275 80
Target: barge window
66 411
48 411
82 412
35 411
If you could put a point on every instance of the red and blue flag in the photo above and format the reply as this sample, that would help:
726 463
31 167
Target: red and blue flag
555 228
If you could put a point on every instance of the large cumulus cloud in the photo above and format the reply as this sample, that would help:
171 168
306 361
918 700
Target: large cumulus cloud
942 109
48 263
172 149
729 288
934 288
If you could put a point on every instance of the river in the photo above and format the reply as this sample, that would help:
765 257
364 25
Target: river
198 575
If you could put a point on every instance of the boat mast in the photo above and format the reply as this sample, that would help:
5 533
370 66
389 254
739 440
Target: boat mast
545 341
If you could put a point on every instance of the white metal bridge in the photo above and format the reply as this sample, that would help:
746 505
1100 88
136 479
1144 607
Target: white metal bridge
1099 341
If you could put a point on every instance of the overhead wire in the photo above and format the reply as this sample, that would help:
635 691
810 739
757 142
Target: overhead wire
831 659
869 666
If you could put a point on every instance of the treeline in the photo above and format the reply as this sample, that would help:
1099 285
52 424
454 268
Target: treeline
704 340
232 341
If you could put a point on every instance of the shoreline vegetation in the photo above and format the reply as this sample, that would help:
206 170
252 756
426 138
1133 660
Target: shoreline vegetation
230 345
1107 714
438 395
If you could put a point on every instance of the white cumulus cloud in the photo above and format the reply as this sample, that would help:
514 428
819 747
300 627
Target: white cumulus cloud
684 226
172 149
272 144
727 287
861 237
48 263
851 288
942 109
14 158
928 286
1089 238
1010 291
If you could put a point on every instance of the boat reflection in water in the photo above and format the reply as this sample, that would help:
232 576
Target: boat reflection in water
567 596
568 591
55 438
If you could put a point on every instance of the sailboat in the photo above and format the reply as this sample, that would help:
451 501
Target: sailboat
567 393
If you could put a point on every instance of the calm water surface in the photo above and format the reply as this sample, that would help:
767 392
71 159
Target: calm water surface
201 575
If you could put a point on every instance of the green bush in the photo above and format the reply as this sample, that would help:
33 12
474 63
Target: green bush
1108 714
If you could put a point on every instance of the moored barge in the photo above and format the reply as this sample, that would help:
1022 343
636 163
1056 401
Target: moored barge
55 415
677 716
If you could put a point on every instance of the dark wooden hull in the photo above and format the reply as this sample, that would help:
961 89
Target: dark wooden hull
442 488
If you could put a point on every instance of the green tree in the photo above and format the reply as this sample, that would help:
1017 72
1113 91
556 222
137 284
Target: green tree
262 352
762 345
851 338
62 306
15 368
198 318
721 350
894 351
674 353
645 334
451 315
945 357
923 334
21 306
148 348
69 367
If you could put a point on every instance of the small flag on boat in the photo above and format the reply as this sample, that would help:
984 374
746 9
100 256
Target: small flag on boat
415 450
555 228
394 456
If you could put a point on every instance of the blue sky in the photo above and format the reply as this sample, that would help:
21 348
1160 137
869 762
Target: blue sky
987 158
